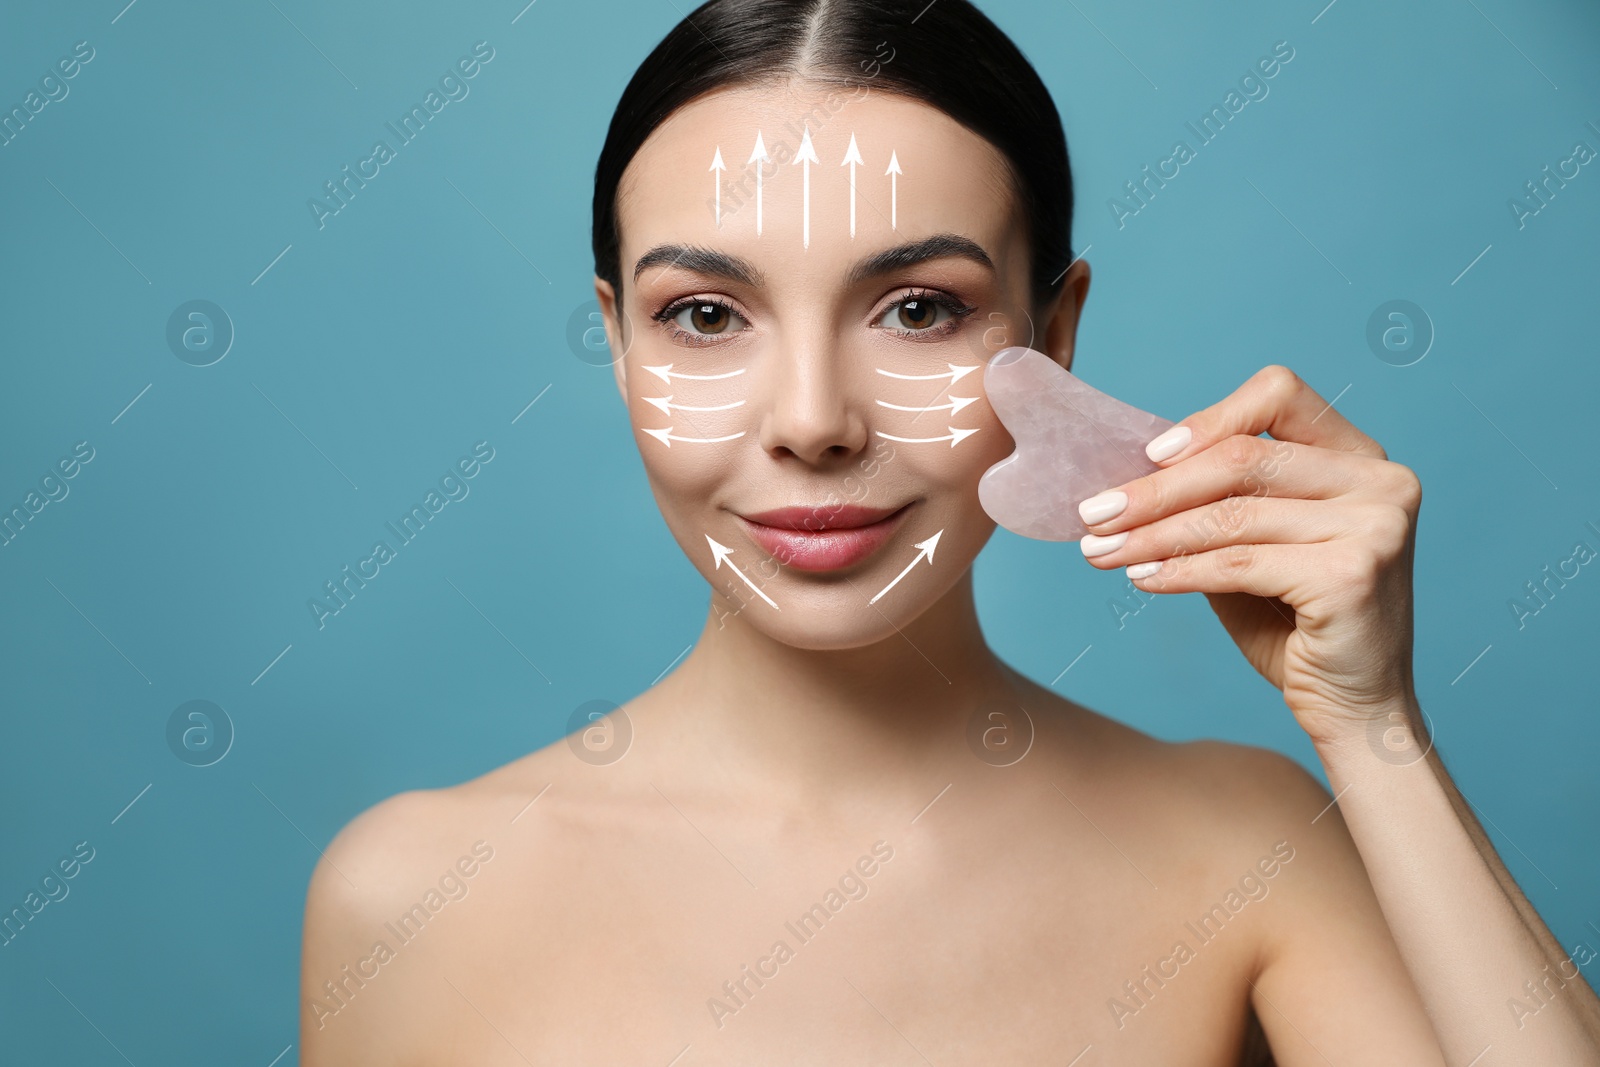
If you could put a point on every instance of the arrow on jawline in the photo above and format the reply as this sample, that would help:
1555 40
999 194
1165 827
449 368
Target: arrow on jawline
720 553
955 437
718 165
759 155
852 157
927 553
894 190
804 158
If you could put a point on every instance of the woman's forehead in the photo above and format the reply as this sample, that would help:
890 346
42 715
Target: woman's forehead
808 167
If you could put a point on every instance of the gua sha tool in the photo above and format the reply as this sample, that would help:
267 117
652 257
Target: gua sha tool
1073 441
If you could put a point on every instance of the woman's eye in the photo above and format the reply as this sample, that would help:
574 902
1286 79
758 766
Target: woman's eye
707 318
915 315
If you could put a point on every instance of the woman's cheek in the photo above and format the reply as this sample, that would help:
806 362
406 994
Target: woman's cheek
957 469
689 474
683 445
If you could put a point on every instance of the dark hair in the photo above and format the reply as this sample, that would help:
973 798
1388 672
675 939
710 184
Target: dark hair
946 53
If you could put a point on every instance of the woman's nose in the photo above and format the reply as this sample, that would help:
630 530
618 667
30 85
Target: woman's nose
810 411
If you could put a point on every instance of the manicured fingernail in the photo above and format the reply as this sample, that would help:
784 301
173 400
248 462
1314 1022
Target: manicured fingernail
1168 444
1143 570
1095 545
1107 505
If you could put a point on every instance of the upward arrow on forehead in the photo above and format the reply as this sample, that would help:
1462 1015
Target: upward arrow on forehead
758 155
894 190
718 166
852 158
805 157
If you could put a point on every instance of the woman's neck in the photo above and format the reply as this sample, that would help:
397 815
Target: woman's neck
882 720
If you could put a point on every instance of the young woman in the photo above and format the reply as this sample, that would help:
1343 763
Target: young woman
842 830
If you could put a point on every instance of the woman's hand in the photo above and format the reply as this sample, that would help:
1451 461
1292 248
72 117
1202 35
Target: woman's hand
1302 544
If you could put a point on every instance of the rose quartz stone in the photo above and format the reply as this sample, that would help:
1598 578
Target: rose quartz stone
1073 441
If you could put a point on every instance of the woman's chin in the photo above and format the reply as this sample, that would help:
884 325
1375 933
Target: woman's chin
880 597
840 615
823 631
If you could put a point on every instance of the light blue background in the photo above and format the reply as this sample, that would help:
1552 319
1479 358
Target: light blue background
377 350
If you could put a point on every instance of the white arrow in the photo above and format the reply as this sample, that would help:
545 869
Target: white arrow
721 553
955 405
667 408
852 157
666 437
955 437
955 374
894 190
666 374
804 158
927 553
718 165
758 156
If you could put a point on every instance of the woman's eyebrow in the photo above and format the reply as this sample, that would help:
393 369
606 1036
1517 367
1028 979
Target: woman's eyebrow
701 261
937 246
711 262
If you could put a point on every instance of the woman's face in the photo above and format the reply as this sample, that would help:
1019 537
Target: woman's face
809 401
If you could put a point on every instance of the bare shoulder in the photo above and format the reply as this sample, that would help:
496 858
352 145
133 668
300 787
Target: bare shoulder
1217 806
356 889
390 872
386 848
1247 839
1326 953
1250 786
1205 812
385 840
1251 801
1233 788
1260 811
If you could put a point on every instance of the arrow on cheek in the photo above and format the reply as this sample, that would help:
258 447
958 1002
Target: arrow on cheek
666 437
955 405
955 374
667 408
955 437
666 374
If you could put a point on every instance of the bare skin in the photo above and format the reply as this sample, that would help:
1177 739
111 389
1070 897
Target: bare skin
621 896
1011 913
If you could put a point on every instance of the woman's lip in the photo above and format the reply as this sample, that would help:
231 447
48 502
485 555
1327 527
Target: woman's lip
833 547
818 517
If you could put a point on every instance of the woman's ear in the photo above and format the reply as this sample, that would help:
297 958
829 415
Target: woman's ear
615 340
1061 316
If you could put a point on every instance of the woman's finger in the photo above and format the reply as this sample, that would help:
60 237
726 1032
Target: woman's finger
1274 400
1241 520
1263 570
1240 466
